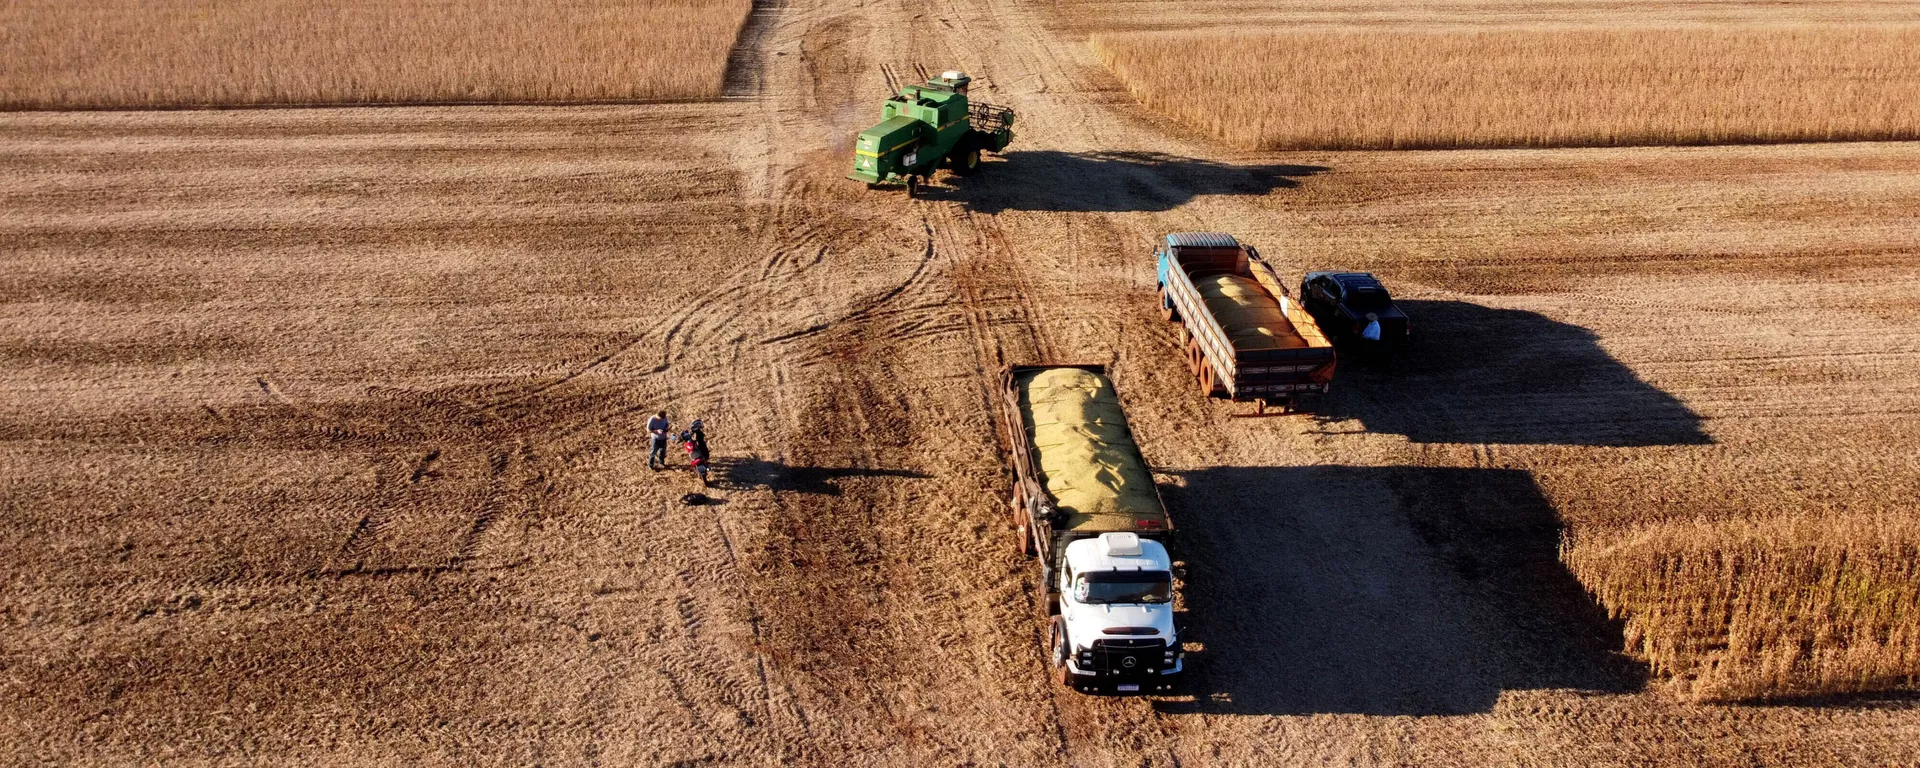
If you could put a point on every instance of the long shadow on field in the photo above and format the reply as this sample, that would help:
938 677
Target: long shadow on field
1381 591
1474 374
749 473
1108 181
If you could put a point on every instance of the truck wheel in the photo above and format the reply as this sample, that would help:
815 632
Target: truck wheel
1196 359
1167 312
1206 378
1026 538
966 162
1057 651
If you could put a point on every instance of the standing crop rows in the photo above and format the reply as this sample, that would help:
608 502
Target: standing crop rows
1532 87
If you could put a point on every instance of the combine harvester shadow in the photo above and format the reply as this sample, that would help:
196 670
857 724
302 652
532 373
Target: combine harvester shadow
1108 182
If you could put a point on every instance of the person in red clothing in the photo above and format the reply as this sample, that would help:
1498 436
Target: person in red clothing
695 441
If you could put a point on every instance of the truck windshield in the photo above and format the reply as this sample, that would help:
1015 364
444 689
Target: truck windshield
1126 587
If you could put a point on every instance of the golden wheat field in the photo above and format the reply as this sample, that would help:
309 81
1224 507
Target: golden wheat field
178 53
1528 87
1778 607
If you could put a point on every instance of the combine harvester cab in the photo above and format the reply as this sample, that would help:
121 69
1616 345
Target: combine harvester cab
1084 503
1243 335
923 125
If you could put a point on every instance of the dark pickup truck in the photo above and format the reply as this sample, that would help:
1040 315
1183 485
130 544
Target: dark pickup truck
1340 301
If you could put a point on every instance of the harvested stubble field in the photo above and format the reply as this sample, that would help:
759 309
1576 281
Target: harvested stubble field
1397 89
318 443
186 53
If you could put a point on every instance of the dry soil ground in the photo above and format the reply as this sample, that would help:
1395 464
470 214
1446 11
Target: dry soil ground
320 430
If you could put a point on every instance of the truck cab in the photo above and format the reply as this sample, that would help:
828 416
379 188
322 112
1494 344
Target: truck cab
1115 628
1340 302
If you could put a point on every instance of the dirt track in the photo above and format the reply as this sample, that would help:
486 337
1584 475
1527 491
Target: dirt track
320 431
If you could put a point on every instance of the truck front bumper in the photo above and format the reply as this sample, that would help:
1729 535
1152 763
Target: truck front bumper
1118 681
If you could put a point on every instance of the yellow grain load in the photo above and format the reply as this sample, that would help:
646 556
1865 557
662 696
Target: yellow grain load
1248 313
1087 457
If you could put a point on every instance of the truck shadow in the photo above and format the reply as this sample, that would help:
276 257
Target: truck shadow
741 474
1381 591
1475 374
1108 182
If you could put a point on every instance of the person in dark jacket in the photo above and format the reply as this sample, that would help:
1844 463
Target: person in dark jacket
696 445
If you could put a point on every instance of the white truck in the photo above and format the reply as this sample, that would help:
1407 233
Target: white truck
1085 504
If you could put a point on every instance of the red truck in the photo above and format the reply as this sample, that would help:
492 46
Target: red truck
1243 335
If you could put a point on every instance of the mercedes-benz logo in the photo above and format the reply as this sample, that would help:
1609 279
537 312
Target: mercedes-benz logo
1127 662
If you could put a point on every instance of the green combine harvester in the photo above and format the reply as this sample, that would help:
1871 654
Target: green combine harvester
925 124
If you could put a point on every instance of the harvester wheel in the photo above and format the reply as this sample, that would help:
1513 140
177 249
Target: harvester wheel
966 161
913 186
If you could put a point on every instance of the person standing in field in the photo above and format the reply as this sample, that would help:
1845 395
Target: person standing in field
696 445
1370 338
658 432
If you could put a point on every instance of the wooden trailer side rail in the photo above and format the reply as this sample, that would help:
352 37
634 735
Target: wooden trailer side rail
1032 505
1278 375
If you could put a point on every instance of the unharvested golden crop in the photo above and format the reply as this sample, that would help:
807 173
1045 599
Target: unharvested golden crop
165 53
1511 87
1760 609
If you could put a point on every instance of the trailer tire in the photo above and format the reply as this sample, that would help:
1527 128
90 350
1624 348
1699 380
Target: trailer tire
1206 377
1167 312
1026 537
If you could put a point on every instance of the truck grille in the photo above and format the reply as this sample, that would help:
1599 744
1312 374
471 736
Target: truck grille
1129 656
